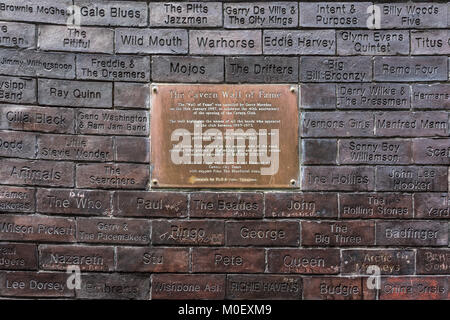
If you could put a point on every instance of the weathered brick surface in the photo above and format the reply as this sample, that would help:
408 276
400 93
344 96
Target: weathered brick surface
79 185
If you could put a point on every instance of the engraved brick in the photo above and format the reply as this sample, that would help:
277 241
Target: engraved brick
430 42
117 13
36 228
75 93
411 124
303 261
317 42
113 68
169 41
31 118
262 286
229 260
34 284
17 35
301 205
73 202
365 42
335 69
373 96
261 69
337 124
414 288
369 151
432 205
37 64
112 176
191 14
430 68
126 149
338 233
317 96
433 261
60 257
17 144
228 42
152 259
332 288
83 39
255 233
114 286
261 15
390 262
194 232
18 256
132 95
150 204
431 151
334 14
412 233
431 96
16 199
412 179
110 231
413 15
187 69
39 173
188 286
226 205
80 148
45 11
345 178
375 205
17 90
319 151
113 122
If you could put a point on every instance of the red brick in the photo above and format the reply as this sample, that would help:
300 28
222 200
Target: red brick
332 288
36 228
132 149
412 233
150 204
188 286
432 205
226 205
257 233
34 284
390 262
112 176
301 205
59 257
414 288
112 231
73 201
17 199
344 178
114 286
433 261
375 205
262 286
338 233
431 151
18 256
130 259
188 232
229 260
17 144
303 261
38 173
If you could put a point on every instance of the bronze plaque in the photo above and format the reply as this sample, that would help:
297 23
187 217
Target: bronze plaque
224 136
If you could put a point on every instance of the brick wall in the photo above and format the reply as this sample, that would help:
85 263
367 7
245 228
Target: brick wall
75 167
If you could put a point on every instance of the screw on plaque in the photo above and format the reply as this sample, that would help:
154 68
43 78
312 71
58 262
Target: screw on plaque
155 182
293 182
155 89
293 89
